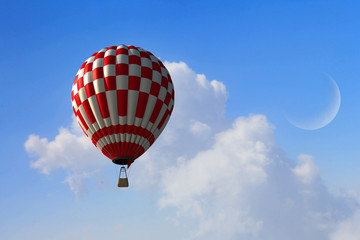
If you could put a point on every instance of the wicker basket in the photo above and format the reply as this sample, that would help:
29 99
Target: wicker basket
123 181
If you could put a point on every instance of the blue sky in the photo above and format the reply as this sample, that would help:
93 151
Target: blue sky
272 57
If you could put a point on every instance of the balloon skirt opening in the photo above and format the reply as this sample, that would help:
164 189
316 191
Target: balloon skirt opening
123 161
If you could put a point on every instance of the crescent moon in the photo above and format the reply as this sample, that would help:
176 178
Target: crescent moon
325 116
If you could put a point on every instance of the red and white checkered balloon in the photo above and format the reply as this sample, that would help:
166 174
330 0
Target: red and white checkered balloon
122 98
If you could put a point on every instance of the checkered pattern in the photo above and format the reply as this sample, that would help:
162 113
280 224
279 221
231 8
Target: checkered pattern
122 98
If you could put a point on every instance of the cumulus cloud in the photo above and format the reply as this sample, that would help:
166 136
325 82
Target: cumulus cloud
70 151
198 114
197 98
77 182
229 179
306 170
219 177
199 128
348 229
244 188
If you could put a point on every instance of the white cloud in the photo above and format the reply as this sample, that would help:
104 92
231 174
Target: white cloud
235 153
219 176
201 79
197 98
77 182
199 128
198 114
243 187
70 151
306 170
348 229
226 180
219 87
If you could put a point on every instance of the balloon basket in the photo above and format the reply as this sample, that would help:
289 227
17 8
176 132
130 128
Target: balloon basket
123 180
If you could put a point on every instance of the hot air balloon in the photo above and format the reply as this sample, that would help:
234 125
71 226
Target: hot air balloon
123 97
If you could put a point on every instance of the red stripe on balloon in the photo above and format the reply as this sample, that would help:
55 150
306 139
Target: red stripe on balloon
101 98
142 101
122 129
132 151
163 119
88 111
156 111
122 99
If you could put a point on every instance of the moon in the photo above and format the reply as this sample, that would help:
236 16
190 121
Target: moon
323 116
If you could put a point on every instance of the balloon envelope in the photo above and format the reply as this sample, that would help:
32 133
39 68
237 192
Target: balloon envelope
122 97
